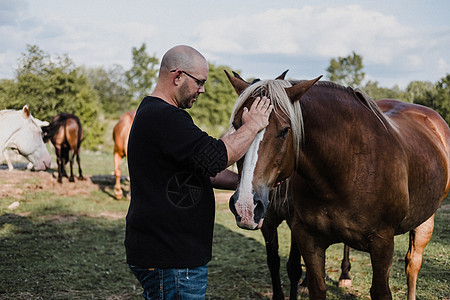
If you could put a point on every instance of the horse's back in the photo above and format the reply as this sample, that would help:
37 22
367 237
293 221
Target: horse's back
425 137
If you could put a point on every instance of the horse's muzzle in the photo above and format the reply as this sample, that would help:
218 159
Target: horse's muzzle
249 209
44 163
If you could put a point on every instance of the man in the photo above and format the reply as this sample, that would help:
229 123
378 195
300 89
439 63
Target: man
171 215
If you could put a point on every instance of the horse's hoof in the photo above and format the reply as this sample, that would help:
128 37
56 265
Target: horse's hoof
118 193
81 178
303 290
71 179
278 296
345 283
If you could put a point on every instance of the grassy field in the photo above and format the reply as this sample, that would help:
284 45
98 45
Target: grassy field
66 242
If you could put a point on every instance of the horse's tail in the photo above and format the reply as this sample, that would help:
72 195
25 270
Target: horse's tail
80 131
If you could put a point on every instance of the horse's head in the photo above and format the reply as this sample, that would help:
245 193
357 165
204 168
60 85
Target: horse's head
271 158
27 140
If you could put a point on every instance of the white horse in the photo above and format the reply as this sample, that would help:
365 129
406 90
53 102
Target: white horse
21 132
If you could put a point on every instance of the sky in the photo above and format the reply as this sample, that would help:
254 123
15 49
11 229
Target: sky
399 40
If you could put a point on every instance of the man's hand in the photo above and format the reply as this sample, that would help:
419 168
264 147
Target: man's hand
253 121
258 117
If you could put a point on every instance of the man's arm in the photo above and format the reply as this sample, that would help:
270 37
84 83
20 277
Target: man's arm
225 180
253 121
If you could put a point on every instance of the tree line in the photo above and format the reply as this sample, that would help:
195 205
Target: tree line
51 85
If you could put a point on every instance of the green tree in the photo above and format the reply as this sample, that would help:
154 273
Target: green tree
213 109
143 73
376 92
50 87
346 70
443 96
418 91
438 98
111 87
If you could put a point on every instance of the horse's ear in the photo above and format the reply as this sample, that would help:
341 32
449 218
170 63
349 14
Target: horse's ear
237 82
297 91
41 123
281 77
26 112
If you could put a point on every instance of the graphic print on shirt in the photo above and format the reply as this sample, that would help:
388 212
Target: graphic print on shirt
184 190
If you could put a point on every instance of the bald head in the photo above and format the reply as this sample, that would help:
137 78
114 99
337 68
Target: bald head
182 57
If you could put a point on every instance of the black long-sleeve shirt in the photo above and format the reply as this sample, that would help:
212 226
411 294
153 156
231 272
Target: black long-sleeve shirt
171 215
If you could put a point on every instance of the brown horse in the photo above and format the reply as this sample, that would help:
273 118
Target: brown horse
281 209
362 173
66 134
120 136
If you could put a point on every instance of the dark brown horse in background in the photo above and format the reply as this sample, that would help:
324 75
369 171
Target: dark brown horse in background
120 136
362 172
66 134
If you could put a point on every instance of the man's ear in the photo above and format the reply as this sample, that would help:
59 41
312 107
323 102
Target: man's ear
176 77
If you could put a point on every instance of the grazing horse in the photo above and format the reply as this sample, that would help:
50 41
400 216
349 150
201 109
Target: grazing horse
362 172
22 133
66 134
120 136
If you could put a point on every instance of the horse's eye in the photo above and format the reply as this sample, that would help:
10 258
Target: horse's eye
284 132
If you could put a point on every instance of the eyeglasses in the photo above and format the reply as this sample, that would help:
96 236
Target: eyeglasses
199 82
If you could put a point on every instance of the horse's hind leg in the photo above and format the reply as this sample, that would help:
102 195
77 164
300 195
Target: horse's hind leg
80 174
71 156
60 162
117 173
344 280
418 239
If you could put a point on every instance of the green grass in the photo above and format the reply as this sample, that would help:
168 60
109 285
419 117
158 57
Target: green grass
63 247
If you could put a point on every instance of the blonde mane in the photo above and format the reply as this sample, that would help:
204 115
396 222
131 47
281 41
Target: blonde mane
275 90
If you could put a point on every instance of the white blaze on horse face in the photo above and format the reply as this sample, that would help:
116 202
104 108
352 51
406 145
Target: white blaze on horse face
244 205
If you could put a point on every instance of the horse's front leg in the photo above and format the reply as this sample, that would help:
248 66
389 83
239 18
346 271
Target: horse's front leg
381 251
269 231
8 159
418 240
313 253
118 174
294 267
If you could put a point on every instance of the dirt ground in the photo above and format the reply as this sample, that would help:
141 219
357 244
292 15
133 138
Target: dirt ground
20 181
17 182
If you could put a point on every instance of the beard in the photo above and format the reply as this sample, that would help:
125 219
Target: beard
186 97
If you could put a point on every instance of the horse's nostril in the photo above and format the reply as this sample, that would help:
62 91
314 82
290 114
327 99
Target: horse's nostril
259 210
232 205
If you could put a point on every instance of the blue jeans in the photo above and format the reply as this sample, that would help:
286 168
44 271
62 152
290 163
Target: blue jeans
180 284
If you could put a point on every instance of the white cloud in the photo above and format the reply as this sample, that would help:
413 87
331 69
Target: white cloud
310 31
443 66
259 41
